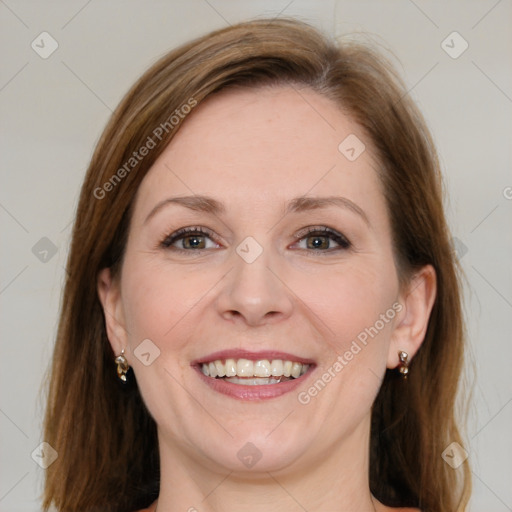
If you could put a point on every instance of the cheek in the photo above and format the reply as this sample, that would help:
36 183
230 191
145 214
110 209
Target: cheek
355 305
160 304
351 299
158 299
358 310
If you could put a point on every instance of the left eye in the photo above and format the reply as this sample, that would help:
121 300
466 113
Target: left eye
189 240
195 242
322 240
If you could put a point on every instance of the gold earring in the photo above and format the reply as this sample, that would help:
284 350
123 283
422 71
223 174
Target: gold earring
403 367
122 366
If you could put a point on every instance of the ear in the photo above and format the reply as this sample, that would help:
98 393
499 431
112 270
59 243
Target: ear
411 323
110 297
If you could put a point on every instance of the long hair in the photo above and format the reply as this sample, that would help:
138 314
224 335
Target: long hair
105 437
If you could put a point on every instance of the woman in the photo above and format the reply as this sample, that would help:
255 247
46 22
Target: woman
262 309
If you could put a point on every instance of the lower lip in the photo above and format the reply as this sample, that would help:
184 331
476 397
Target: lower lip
250 393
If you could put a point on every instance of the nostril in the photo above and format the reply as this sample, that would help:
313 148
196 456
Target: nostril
233 314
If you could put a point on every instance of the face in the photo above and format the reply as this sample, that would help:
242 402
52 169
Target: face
257 243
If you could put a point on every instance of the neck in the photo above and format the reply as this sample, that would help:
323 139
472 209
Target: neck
336 479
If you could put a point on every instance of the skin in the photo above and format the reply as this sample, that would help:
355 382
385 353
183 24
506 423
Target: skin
254 151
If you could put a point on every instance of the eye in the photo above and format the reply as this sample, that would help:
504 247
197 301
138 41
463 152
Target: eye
321 239
190 239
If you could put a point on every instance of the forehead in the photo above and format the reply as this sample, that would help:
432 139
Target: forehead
261 144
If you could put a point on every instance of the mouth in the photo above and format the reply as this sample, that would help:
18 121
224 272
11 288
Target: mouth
252 373
253 376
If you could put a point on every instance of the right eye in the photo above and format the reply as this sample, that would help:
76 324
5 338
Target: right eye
190 239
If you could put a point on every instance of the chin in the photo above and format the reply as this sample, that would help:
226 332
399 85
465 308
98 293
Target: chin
253 451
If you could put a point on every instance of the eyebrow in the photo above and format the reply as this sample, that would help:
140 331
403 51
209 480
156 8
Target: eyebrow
302 204
196 203
299 204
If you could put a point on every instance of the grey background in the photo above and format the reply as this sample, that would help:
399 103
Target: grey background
53 111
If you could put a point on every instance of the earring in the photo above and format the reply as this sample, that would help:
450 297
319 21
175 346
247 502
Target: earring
122 366
403 367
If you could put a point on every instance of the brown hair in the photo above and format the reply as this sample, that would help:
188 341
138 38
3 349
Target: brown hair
105 438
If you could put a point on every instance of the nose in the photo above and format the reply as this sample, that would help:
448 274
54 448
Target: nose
254 294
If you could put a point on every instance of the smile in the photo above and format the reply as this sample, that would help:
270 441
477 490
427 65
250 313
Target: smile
254 373
253 376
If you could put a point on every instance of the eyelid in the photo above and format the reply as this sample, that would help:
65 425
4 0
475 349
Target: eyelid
318 229
343 241
169 239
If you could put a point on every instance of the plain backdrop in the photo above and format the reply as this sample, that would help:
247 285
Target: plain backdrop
53 110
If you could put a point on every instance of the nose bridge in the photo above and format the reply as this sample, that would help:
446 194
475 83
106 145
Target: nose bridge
252 291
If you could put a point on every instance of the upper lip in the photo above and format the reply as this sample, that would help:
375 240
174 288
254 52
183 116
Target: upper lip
253 356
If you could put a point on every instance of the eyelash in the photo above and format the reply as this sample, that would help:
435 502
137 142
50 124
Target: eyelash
320 231
181 233
323 231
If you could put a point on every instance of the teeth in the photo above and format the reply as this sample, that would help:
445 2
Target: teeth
276 368
230 367
244 368
212 370
263 370
220 368
296 369
253 381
